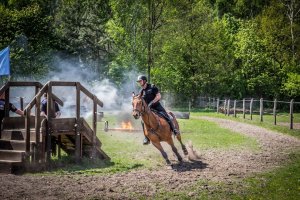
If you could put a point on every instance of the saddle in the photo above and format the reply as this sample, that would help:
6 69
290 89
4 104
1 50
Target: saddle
171 116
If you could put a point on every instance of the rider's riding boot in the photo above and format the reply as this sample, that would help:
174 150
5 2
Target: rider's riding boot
146 141
175 130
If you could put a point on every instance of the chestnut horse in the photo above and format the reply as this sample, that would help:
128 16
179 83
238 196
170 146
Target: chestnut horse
157 129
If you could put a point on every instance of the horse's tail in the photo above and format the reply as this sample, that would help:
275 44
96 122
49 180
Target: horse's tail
174 120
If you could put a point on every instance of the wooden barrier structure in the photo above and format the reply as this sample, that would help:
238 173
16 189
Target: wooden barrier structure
226 109
31 140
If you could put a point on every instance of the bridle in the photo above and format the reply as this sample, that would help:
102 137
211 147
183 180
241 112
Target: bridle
145 109
140 113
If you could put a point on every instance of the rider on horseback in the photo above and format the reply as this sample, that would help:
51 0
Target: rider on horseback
151 95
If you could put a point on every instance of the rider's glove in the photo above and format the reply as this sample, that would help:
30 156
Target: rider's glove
150 104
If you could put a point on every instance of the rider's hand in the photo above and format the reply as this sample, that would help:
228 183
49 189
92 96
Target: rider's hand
150 104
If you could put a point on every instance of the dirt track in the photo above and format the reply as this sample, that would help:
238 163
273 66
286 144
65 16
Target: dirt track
215 165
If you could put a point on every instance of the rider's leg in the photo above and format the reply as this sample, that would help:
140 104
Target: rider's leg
146 139
172 126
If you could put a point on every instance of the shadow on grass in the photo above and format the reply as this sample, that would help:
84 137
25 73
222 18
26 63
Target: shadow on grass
68 164
188 166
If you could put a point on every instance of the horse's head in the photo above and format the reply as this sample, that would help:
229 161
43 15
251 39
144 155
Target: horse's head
138 105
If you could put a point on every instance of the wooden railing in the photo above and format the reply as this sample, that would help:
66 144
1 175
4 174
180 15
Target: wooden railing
47 88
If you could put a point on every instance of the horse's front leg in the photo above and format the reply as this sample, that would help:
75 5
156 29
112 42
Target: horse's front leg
163 153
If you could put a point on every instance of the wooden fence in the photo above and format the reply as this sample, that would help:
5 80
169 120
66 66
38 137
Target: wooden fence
229 107
288 111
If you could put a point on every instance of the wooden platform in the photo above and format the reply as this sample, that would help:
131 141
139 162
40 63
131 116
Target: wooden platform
32 140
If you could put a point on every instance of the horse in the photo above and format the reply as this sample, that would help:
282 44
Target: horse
157 129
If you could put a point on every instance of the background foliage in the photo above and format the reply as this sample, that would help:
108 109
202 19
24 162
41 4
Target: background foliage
224 48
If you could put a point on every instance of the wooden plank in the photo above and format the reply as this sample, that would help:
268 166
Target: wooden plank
63 83
25 84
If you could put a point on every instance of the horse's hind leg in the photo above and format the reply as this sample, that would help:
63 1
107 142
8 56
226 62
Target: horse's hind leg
174 149
178 136
163 153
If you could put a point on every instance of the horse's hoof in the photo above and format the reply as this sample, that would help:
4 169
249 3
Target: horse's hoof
180 159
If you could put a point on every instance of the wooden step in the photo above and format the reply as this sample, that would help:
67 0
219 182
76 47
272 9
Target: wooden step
12 155
13 145
13 134
10 167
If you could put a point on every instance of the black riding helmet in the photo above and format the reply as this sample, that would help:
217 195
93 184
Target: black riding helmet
141 77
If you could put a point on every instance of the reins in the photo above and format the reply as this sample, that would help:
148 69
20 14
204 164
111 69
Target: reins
146 110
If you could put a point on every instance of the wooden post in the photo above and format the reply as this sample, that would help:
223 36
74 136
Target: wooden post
244 108
208 102
261 109
251 107
234 108
78 150
49 120
218 101
59 146
228 107
6 105
94 126
189 106
225 107
37 128
274 111
291 113
27 137
21 103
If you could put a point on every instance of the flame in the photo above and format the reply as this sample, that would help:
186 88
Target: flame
127 125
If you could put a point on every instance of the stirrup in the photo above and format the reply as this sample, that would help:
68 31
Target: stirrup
176 131
146 141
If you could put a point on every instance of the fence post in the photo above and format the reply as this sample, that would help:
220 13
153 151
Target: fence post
228 107
234 108
244 108
274 111
251 104
189 106
291 113
218 101
261 109
225 107
22 103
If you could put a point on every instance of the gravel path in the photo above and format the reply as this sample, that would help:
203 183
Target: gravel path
214 165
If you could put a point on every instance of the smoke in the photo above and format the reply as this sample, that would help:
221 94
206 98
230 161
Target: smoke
116 100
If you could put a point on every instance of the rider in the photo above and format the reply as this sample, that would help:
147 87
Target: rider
151 95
